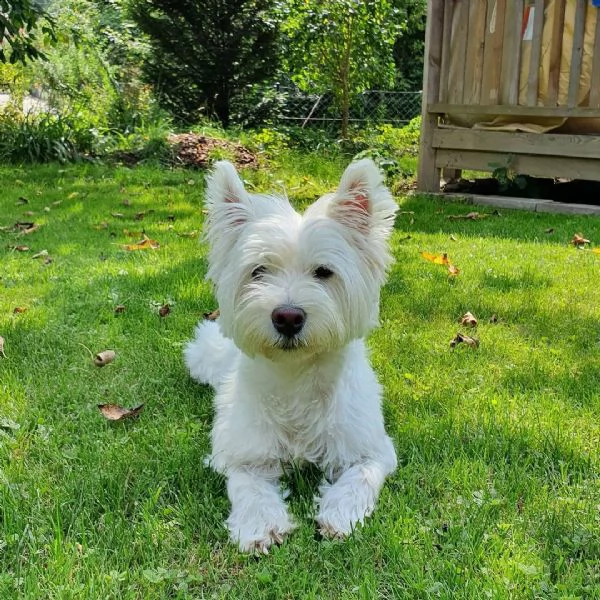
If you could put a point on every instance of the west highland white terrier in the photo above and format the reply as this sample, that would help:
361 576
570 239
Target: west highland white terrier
287 357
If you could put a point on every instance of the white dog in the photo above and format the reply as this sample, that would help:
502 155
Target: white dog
297 295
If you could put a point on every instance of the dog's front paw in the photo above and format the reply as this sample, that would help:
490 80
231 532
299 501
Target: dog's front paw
256 537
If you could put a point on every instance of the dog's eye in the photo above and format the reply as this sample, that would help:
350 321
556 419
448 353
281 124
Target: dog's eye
259 271
323 272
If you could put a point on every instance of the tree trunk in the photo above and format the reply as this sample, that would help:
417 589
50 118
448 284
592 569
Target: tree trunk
221 106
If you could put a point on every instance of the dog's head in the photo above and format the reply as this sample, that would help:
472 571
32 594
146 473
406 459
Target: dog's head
288 283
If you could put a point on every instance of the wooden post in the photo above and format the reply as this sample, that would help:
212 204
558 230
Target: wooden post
429 174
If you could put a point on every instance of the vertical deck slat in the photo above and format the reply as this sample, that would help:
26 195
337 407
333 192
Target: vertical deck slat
492 56
460 32
475 51
511 54
446 48
595 83
428 174
577 53
533 80
556 52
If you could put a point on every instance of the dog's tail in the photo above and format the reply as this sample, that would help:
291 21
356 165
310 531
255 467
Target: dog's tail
210 356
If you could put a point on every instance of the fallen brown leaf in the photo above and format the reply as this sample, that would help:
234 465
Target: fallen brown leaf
170 217
460 338
453 270
494 319
120 308
145 244
139 216
73 195
549 230
103 358
2 347
164 310
19 309
40 254
579 241
114 412
469 319
117 215
188 234
19 248
452 237
472 216
99 226
28 213
22 200
25 227
213 315
126 202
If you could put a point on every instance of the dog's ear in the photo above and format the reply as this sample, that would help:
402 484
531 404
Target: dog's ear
362 202
226 197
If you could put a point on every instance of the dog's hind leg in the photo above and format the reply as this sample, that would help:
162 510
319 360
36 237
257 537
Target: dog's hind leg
210 355
259 516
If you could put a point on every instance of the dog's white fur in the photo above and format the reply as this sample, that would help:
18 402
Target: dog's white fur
312 397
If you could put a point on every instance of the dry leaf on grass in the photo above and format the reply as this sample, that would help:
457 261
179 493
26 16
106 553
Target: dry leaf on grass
472 216
579 241
139 216
120 308
25 227
117 215
436 258
22 200
40 254
19 248
19 310
134 234
213 315
2 347
188 234
452 270
494 319
99 226
28 213
549 230
114 412
460 338
164 310
103 358
145 244
469 319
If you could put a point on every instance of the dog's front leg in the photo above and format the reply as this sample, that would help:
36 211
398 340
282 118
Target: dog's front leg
345 503
259 516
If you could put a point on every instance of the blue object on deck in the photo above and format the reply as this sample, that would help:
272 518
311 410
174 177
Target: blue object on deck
596 3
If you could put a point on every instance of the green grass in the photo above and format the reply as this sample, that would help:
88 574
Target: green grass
498 491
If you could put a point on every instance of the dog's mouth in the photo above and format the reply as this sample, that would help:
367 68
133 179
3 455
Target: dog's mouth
289 344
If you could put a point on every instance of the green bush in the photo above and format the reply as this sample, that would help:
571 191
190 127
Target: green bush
36 138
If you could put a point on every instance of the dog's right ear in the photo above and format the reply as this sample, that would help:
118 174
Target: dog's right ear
226 197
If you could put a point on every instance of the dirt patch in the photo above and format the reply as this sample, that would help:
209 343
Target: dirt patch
199 151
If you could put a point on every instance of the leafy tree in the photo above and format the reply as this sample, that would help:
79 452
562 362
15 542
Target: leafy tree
19 22
409 47
205 53
345 46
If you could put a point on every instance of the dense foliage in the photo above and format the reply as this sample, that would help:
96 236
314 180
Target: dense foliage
203 54
21 23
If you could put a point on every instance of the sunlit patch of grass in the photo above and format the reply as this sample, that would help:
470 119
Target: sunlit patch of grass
497 491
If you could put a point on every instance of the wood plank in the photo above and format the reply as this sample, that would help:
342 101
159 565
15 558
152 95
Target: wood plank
458 50
446 49
595 79
492 58
577 53
517 111
475 52
546 144
556 52
533 80
428 177
536 166
511 53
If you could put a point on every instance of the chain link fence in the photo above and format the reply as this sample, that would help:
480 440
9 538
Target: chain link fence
369 107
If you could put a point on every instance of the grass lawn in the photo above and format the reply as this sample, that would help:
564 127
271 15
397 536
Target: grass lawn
498 490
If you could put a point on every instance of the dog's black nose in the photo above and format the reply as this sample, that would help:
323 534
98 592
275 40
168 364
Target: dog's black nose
288 320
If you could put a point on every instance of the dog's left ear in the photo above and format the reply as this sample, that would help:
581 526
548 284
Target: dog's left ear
362 202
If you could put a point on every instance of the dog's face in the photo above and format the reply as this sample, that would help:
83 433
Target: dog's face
288 283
